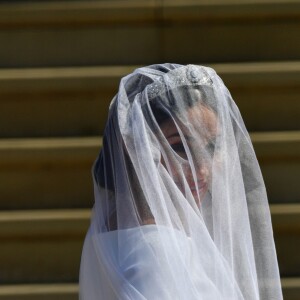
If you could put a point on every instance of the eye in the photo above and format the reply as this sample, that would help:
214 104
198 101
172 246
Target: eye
179 149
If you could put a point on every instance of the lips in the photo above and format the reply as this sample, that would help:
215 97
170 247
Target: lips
202 186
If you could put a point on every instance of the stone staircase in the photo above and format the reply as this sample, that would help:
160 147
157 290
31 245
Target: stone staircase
60 64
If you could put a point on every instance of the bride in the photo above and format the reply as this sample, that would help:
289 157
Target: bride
181 210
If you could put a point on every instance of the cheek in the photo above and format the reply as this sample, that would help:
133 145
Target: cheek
179 170
174 169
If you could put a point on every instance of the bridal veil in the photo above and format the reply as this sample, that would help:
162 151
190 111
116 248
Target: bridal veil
181 210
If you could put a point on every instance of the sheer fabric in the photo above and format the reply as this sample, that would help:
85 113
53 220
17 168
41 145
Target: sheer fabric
181 210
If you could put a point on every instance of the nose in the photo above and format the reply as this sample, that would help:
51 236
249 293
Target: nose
201 172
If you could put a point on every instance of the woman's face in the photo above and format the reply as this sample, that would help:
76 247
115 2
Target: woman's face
201 144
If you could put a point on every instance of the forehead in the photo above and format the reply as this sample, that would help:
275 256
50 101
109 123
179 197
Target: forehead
200 118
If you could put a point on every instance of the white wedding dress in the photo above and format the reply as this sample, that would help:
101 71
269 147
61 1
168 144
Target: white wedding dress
143 270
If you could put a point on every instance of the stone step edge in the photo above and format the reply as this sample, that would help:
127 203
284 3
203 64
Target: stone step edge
93 141
275 74
57 143
82 214
133 11
44 215
72 288
285 217
44 224
268 145
39 289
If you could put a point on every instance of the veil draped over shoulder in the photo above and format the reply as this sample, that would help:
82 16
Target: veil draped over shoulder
181 210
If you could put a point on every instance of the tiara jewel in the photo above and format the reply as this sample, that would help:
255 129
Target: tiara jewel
190 75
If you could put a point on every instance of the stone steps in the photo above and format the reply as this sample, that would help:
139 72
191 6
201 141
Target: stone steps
58 291
291 290
44 173
41 246
59 33
73 101
133 11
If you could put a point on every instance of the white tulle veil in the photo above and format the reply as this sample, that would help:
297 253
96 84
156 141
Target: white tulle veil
181 210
